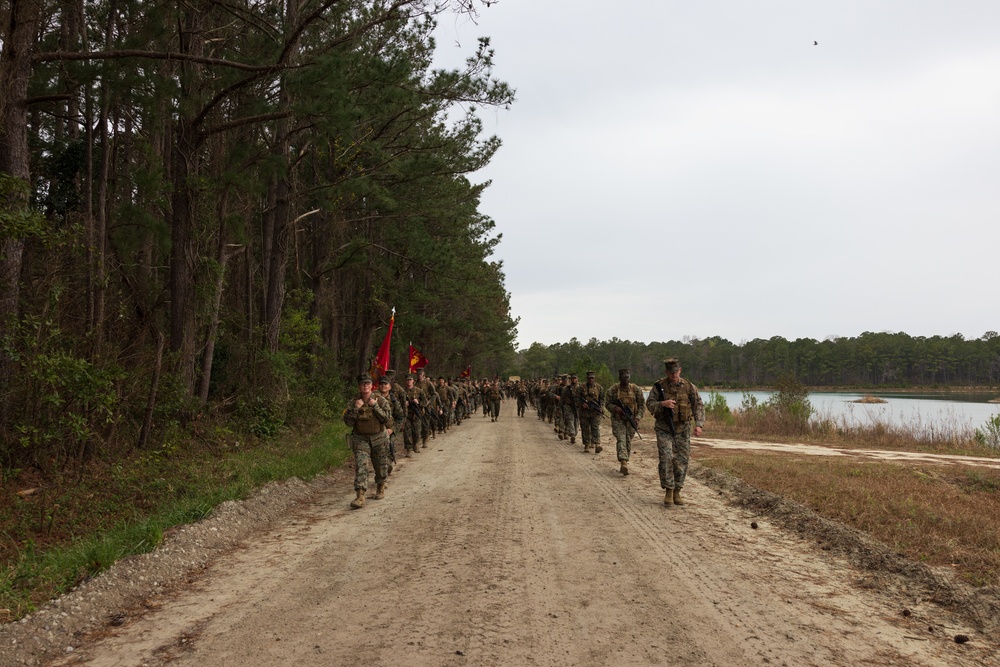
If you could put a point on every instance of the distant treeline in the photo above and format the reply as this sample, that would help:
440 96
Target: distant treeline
871 360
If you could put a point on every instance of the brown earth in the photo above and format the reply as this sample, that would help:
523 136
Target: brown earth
501 545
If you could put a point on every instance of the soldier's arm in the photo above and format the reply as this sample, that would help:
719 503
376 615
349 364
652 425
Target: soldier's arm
350 414
382 410
640 404
653 403
697 406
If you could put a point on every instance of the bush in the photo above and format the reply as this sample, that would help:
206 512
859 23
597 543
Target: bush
989 435
718 410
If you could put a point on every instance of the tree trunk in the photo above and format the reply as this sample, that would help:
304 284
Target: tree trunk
183 250
17 34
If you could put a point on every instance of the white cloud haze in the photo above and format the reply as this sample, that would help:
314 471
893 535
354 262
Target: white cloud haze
680 168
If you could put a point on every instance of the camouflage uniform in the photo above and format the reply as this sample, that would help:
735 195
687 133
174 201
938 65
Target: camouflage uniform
429 417
412 426
675 448
570 409
446 400
369 439
429 421
522 399
631 397
496 396
590 417
555 405
396 426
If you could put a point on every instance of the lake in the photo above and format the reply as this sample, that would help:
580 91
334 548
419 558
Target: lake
946 412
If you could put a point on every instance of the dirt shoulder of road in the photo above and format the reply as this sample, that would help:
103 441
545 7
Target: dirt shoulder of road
883 569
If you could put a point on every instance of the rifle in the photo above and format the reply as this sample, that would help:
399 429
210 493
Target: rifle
669 412
629 417
593 405
392 448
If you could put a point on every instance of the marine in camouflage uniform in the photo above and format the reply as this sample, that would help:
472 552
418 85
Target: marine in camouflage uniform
542 398
555 403
591 412
522 399
412 426
570 408
449 401
428 420
631 397
495 396
398 415
679 411
367 414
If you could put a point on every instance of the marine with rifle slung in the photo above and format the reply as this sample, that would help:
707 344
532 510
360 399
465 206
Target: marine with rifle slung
679 413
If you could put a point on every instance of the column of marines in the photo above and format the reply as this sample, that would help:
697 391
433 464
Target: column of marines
384 414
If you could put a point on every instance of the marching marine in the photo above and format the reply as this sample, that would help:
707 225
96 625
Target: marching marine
679 412
624 401
570 409
367 414
591 412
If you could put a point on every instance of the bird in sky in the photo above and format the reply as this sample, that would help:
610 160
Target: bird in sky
815 43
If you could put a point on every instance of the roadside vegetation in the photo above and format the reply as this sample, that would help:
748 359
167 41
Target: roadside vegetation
939 515
60 529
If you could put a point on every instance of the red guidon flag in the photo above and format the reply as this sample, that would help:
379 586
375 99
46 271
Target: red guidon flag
381 364
467 373
417 360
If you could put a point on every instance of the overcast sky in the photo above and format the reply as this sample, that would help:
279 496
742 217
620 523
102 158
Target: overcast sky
683 168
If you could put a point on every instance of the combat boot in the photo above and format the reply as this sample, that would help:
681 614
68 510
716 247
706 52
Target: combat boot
677 497
668 499
597 449
572 439
407 455
380 491
624 468
586 448
359 502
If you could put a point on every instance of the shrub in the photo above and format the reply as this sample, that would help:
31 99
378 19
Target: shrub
989 435
717 409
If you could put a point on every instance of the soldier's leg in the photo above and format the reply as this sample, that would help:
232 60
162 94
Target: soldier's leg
585 427
380 456
621 440
595 434
407 436
682 456
665 451
569 419
362 461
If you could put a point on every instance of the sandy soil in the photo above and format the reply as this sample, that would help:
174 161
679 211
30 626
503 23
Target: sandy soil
881 455
501 545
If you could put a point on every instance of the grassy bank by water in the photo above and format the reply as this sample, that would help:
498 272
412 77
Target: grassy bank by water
59 530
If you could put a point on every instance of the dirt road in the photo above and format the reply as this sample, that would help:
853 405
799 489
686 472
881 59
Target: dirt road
501 545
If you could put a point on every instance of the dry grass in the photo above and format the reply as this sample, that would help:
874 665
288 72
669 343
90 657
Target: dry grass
945 516
939 438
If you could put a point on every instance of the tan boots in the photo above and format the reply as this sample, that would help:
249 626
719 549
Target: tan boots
380 491
673 497
624 468
359 502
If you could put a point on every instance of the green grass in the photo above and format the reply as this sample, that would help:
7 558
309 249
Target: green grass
79 527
